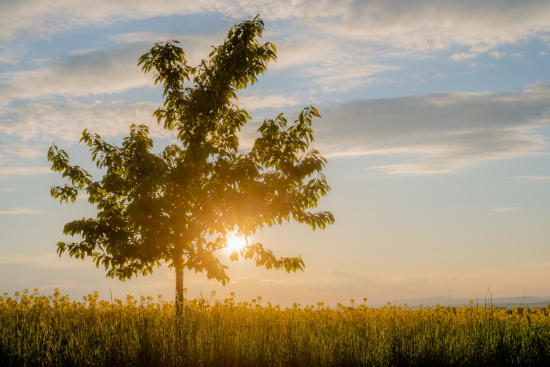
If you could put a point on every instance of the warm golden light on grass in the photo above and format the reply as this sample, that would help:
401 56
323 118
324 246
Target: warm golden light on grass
37 330
235 243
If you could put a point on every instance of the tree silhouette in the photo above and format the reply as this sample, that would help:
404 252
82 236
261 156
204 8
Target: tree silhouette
179 206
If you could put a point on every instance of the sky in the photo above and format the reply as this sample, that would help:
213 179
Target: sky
435 122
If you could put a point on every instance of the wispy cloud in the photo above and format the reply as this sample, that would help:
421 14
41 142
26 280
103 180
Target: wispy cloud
463 56
536 178
427 26
65 120
17 211
21 171
421 25
270 101
12 53
344 74
327 62
102 71
504 210
44 19
497 55
438 133
19 150
141 37
45 260
196 46
97 71
24 258
8 189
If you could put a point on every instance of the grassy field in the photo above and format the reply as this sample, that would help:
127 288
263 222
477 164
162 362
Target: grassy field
40 330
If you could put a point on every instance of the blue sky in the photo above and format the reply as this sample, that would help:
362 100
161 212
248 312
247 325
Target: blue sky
435 121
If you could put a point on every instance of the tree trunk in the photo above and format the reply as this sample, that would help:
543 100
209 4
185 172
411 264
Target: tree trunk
179 292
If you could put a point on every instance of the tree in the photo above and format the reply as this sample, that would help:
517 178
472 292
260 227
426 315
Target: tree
180 205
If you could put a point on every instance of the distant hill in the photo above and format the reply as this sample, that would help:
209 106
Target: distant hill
508 302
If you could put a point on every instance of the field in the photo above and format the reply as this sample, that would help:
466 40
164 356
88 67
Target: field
38 330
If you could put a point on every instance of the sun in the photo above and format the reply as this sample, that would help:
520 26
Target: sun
235 243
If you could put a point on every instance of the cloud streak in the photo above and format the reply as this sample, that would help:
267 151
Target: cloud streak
111 70
44 19
430 133
66 120
17 211
256 102
336 41
23 171
18 151
45 260
463 56
103 71
422 25
505 210
427 26
536 178
438 133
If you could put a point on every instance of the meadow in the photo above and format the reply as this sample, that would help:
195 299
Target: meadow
38 330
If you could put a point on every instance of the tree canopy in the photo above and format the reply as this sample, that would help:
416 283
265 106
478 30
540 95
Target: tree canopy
180 205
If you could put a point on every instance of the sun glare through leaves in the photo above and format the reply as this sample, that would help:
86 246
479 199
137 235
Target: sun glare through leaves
235 243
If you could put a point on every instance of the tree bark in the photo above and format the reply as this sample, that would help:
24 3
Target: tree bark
179 292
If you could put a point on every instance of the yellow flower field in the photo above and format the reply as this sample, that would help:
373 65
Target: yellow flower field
38 330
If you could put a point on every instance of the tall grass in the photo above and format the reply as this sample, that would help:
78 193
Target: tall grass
37 330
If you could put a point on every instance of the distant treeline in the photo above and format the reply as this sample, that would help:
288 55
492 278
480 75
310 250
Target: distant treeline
40 330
